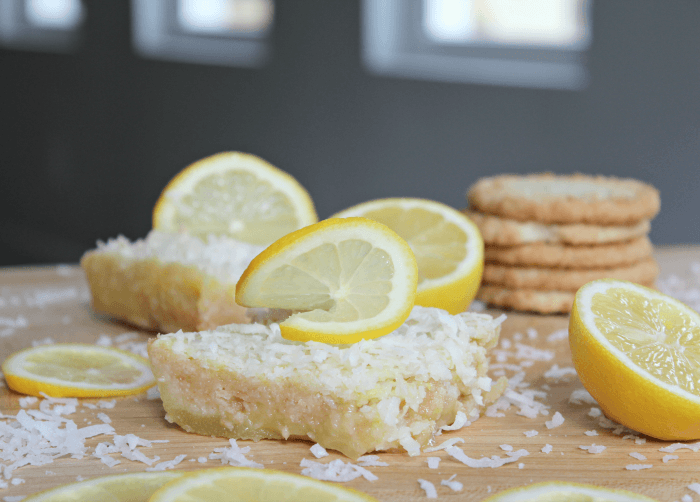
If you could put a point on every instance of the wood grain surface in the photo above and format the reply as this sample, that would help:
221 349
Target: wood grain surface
52 304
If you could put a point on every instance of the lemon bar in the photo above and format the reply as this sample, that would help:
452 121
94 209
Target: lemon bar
169 281
393 392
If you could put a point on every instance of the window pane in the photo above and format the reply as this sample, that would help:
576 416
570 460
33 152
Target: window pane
54 14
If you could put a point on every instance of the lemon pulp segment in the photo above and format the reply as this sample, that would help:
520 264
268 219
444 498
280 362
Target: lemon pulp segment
662 340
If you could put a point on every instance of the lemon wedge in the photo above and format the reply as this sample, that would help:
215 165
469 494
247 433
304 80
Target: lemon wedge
133 487
234 194
559 491
241 484
448 247
637 351
349 279
77 370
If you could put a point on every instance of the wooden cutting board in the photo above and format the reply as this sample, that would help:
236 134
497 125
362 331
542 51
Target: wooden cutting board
52 304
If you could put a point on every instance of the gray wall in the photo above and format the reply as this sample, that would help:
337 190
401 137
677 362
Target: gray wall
89 139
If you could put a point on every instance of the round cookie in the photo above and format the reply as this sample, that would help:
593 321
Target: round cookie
530 300
499 231
552 279
574 257
578 198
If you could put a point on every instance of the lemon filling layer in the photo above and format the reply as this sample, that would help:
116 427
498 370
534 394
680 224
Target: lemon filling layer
396 391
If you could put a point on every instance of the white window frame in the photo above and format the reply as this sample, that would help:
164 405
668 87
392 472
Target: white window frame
155 36
17 32
393 44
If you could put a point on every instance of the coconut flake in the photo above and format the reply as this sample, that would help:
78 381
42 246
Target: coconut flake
667 458
547 448
556 373
637 455
594 448
318 451
556 421
168 464
433 462
460 421
428 488
580 396
680 446
591 433
558 335
370 461
531 434
336 470
455 486
494 461
234 455
444 445
694 487
638 467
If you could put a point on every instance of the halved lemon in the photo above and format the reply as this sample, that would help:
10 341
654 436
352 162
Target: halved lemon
637 351
77 370
558 491
234 484
449 248
133 487
349 279
234 194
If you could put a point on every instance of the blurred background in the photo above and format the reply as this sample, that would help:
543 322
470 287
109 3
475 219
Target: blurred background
102 102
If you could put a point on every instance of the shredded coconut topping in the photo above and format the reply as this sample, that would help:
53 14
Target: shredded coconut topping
219 256
455 486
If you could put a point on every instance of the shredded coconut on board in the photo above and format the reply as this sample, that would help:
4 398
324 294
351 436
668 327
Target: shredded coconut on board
428 488
453 485
556 421
638 467
493 461
337 470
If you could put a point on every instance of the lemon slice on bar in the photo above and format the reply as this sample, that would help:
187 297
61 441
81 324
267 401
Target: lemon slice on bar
234 194
348 279
637 351
77 370
559 491
242 484
132 487
448 247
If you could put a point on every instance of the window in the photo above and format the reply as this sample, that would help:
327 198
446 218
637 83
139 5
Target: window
221 32
42 25
526 43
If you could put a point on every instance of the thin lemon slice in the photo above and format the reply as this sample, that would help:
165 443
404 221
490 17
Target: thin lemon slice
77 370
637 351
241 484
234 194
558 491
350 278
449 248
133 487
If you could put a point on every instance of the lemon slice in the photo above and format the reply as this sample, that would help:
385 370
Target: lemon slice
234 194
233 484
77 370
351 278
449 248
133 487
637 351
557 491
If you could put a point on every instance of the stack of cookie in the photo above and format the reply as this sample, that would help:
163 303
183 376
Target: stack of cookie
547 235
